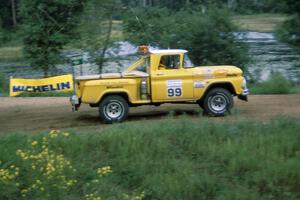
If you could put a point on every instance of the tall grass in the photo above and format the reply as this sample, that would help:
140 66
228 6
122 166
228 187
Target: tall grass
174 159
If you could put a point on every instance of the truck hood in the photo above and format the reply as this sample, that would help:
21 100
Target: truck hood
218 71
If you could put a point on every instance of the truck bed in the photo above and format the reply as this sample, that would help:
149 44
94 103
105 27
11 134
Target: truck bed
137 74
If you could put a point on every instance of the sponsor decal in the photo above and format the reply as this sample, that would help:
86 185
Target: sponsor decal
208 74
62 83
199 84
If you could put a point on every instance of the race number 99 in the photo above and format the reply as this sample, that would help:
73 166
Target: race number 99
174 92
174 88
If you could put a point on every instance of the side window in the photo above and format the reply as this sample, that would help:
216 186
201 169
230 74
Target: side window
187 63
169 62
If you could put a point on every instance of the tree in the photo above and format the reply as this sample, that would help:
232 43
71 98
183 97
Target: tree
47 27
290 29
208 36
96 28
293 5
13 12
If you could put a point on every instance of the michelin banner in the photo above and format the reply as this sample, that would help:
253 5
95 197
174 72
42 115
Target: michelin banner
62 83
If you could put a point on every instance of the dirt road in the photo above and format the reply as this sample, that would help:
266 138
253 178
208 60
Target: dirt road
46 113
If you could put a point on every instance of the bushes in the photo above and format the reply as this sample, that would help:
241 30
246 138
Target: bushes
277 84
290 31
172 159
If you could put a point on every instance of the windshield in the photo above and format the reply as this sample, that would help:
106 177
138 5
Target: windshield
140 65
187 63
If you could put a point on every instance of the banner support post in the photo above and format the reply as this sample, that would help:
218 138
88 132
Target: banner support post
10 77
73 75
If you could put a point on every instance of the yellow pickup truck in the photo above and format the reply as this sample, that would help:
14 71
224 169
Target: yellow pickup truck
161 76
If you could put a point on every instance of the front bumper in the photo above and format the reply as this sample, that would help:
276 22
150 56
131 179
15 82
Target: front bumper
75 101
244 95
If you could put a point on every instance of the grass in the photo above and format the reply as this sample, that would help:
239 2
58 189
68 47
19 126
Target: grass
11 46
117 30
171 159
47 94
11 53
259 22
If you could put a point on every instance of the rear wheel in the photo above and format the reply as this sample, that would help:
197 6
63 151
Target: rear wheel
113 108
218 102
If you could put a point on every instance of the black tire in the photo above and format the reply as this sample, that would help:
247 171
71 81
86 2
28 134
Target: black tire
218 102
113 108
200 103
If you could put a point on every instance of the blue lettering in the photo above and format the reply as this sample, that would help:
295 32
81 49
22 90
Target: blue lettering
18 88
57 86
65 85
52 88
36 89
45 87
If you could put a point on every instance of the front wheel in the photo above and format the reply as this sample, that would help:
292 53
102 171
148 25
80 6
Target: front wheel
113 108
218 102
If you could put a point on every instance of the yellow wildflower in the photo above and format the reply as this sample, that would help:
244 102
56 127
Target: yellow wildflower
33 143
24 191
104 170
66 134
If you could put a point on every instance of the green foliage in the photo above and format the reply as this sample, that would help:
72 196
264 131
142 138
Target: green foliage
47 27
254 6
293 6
277 84
206 34
238 6
6 16
4 85
10 37
289 31
171 159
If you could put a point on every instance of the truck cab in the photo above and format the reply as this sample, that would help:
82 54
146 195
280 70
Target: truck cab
161 76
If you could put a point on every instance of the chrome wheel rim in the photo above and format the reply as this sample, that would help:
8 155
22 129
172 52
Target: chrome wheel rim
218 103
114 109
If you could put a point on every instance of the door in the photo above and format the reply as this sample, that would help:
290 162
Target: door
170 81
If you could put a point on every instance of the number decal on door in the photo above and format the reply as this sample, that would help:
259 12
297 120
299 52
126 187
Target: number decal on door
174 88
174 92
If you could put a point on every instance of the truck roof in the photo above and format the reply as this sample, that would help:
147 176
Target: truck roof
167 51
